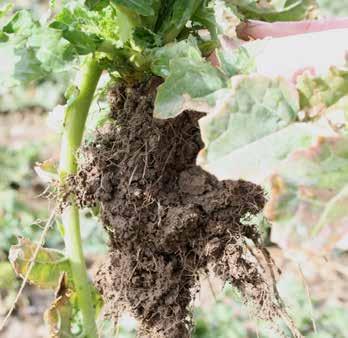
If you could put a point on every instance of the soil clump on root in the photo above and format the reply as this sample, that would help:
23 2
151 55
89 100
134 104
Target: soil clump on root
166 218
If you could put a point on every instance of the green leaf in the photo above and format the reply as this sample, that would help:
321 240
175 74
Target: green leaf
175 18
7 276
189 78
309 198
235 62
49 264
131 17
141 7
97 5
145 38
86 30
80 27
288 10
39 50
127 23
6 9
83 43
3 37
161 57
28 68
21 23
51 50
205 16
251 128
320 93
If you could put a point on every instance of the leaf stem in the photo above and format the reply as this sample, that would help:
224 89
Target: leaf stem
75 120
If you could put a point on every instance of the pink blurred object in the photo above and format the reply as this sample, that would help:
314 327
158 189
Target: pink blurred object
253 29
289 49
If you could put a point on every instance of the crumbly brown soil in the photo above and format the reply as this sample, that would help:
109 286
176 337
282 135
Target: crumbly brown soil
167 219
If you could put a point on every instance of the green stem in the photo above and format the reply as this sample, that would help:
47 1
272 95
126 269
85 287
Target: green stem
75 120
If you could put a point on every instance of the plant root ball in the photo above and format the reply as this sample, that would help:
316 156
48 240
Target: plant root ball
166 218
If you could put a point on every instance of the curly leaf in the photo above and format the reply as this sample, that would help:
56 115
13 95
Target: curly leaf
48 267
39 51
309 198
80 27
64 313
59 317
319 93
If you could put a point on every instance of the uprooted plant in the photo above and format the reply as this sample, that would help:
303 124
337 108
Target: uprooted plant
168 220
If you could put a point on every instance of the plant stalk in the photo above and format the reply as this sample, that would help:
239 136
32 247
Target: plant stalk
75 121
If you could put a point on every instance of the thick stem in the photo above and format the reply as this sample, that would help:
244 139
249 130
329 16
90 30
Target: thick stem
76 116
75 120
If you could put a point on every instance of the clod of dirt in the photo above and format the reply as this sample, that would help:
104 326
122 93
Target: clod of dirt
167 219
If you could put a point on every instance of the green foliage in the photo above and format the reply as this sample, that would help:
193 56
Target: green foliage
176 18
5 10
16 164
7 276
117 32
16 217
39 51
161 57
81 28
189 77
141 7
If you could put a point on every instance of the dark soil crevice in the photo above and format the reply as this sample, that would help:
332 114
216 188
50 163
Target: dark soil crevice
167 219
